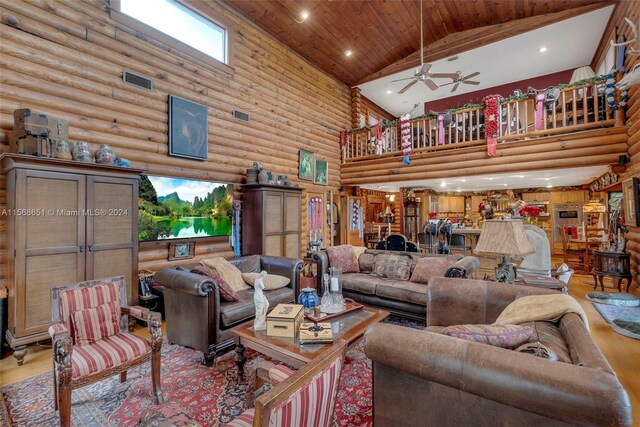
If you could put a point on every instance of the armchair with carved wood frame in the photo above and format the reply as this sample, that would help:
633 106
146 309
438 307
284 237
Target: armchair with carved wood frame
294 401
90 359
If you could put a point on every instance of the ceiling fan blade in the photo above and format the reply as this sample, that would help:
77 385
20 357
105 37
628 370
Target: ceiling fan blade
452 76
470 82
400 80
425 68
472 75
431 84
406 88
455 87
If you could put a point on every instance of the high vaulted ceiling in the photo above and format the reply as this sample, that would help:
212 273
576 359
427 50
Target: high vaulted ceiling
381 33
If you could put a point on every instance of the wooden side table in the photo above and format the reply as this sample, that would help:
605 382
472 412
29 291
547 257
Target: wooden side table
312 281
611 264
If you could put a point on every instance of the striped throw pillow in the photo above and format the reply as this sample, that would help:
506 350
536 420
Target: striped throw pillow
95 324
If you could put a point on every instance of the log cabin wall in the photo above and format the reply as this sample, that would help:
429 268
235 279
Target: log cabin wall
631 10
65 58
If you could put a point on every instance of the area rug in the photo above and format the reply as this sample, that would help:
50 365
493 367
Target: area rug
627 328
612 312
618 298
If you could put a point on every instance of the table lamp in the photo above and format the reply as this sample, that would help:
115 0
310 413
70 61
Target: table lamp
505 238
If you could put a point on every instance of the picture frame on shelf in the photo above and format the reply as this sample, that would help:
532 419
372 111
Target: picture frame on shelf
631 202
188 131
181 250
321 172
306 165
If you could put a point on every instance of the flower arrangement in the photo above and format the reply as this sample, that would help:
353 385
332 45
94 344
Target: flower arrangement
532 211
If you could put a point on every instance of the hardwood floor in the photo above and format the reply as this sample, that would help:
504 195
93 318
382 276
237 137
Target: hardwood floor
623 353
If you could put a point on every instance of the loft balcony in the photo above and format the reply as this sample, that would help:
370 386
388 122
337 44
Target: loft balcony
579 129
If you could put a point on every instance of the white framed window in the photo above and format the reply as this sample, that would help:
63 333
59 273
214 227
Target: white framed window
178 25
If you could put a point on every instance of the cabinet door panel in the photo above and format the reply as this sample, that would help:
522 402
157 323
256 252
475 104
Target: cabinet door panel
292 245
291 213
41 274
112 229
273 245
273 212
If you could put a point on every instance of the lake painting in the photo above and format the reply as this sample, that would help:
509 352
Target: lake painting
176 208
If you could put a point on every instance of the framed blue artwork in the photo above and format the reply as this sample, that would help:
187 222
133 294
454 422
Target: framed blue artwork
188 132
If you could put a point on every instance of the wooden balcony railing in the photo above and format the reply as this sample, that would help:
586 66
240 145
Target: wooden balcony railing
577 108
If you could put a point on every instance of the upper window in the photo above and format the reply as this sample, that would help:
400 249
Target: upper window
183 24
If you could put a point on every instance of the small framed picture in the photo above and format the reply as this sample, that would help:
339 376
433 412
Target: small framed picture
188 131
305 170
631 202
182 250
321 173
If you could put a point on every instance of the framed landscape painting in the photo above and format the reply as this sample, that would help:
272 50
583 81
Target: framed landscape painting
321 174
306 165
188 133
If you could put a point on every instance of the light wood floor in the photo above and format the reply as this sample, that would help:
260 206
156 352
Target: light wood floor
623 353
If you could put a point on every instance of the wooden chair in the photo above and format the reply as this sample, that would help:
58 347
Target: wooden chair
306 398
90 338
573 257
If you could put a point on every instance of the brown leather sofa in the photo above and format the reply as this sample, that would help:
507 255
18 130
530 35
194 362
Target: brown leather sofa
422 378
197 318
402 297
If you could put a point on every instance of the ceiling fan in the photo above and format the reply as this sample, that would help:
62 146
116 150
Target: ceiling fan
422 74
463 79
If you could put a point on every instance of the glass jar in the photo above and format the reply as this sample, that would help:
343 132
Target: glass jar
82 153
104 155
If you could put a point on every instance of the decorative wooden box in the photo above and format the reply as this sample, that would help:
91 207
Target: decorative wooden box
284 320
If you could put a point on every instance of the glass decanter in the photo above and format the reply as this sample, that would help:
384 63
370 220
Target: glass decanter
326 301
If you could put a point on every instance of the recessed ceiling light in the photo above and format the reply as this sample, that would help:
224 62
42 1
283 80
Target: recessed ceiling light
348 53
542 49
547 179
389 92
304 15
490 179
443 184
464 180
504 185
458 190
549 185
520 176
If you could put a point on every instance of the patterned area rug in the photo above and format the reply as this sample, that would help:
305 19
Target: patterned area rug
194 393
623 320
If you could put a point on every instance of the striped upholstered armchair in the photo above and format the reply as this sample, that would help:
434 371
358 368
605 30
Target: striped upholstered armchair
303 398
90 338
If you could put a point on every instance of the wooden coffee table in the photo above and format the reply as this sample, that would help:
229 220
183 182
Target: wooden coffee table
349 327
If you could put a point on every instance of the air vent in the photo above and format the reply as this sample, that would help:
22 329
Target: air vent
241 115
137 80
453 58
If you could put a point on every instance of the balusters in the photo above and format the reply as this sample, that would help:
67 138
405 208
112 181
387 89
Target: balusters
574 103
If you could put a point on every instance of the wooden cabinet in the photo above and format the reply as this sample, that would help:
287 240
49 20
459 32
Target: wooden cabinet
271 223
66 222
451 204
541 196
569 196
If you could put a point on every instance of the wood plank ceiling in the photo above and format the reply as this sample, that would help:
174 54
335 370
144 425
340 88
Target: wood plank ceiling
381 32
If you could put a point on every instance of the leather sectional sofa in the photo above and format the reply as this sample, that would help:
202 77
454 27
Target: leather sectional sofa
402 297
197 317
441 380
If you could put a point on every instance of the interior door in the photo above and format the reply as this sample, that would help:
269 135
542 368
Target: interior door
112 230
50 243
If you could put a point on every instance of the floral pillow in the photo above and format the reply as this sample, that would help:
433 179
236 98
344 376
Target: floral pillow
429 267
343 257
504 336
392 266
226 292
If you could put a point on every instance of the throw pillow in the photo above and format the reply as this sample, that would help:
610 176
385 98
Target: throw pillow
359 250
228 272
539 350
392 266
429 267
366 262
271 281
343 257
96 323
504 336
226 291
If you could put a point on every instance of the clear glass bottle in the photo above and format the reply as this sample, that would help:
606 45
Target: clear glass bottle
335 288
326 300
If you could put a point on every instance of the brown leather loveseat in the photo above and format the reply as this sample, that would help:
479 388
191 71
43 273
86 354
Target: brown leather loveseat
423 378
196 316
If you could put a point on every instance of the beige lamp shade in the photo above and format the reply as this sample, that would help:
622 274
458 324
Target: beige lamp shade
582 73
388 211
506 237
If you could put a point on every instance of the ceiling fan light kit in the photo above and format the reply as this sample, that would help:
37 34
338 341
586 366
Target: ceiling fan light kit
422 73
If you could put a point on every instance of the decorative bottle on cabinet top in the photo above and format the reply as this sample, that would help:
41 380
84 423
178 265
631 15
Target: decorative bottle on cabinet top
82 153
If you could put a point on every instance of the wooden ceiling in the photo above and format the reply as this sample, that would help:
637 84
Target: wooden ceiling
382 32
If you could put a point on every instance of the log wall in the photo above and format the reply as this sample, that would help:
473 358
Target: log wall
631 10
65 58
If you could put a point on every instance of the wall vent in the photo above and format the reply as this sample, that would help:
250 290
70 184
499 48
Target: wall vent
241 115
137 80
453 58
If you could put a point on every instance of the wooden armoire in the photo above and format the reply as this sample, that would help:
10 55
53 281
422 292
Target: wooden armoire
271 223
66 222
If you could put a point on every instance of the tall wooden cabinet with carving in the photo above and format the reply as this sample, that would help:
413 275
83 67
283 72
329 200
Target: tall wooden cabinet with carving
66 222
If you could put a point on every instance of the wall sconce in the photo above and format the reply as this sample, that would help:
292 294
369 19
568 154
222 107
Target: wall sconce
391 197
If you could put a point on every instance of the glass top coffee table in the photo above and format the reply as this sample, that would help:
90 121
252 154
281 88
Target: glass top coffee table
350 327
